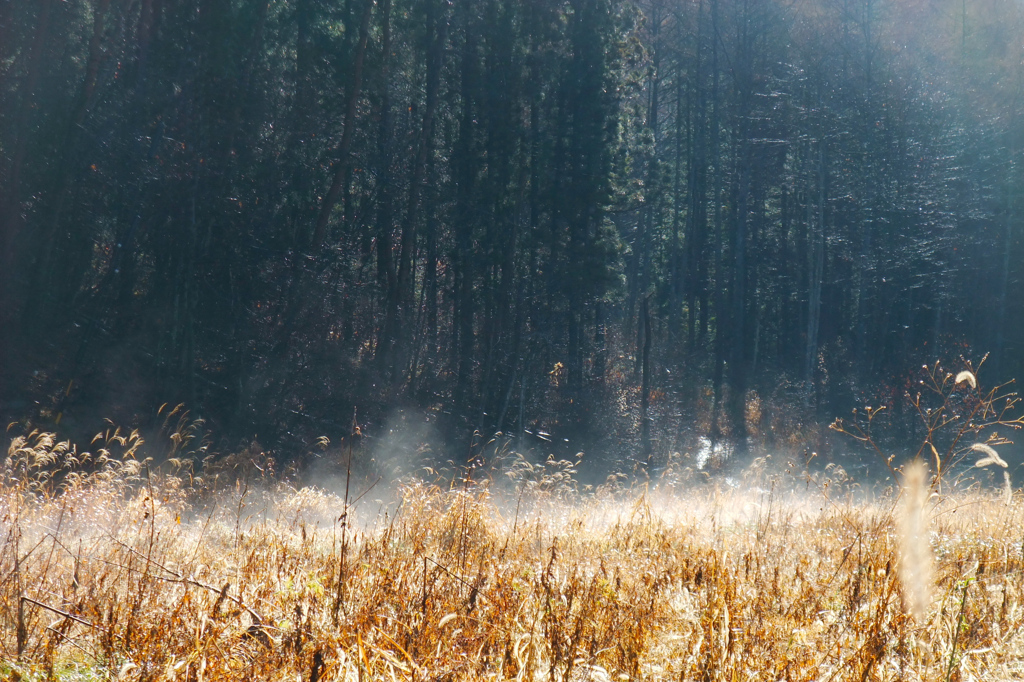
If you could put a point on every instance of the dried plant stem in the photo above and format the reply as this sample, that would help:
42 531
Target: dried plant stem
339 595
956 630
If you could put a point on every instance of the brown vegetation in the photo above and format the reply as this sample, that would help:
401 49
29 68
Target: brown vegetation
111 569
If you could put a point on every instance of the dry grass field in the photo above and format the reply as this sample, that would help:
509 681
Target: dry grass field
113 570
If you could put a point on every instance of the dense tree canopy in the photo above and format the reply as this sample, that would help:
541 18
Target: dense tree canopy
620 224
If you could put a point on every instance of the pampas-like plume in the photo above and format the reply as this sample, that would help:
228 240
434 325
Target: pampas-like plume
991 456
915 552
968 377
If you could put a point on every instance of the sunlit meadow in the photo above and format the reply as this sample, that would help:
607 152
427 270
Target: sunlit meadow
114 568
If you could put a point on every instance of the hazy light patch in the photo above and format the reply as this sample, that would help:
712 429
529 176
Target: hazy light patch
720 451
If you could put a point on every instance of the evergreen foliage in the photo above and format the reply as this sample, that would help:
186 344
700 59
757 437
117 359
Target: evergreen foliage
511 216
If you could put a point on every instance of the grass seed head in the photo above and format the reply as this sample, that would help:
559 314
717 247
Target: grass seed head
991 456
915 552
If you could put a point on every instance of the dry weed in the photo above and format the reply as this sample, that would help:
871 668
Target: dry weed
111 570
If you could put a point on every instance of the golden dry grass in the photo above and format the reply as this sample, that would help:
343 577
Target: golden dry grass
130 574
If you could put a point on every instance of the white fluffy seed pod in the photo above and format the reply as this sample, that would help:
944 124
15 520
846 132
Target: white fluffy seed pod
968 377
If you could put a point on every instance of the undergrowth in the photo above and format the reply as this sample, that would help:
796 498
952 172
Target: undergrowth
113 568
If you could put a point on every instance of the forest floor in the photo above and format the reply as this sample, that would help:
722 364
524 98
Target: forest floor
112 570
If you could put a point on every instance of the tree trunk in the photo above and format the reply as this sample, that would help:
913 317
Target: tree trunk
719 293
464 261
341 154
817 268
425 149
645 384
386 271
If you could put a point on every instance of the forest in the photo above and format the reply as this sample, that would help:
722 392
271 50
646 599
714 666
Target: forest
614 227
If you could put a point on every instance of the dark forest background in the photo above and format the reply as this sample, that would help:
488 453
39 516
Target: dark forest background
616 226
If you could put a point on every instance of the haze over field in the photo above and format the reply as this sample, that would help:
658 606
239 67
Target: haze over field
116 569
